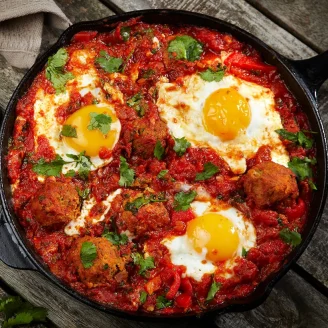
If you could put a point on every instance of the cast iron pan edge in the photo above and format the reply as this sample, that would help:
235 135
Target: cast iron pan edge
27 259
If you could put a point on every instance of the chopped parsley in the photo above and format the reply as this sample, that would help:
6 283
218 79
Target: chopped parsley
302 167
292 238
148 73
125 32
143 297
83 193
210 75
182 200
162 302
185 47
209 170
142 201
107 63
181 145
18 312
162 174
52 168
83 162
159 150
135 102
100 121
215 287
88 254
144 263
244 252
68 131
126 174
115 238
298 138
55 70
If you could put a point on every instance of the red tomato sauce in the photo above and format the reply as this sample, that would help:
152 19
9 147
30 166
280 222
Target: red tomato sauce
151 60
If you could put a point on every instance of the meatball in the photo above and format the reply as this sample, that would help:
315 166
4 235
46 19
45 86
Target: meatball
267 183
55 203
151 217
108 266
145 139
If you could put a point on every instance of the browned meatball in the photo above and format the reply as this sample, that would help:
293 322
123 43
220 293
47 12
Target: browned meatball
148 133
56 203
151 217
107 267
267 183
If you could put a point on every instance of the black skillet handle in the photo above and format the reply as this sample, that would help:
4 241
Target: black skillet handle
314 71
10 251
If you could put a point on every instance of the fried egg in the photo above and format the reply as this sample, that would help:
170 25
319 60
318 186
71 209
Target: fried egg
89 141
213 240
233 117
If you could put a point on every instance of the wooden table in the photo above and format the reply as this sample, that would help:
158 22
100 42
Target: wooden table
297 29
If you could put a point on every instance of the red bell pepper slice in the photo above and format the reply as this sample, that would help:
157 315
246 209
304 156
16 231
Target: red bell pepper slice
84 36
175 286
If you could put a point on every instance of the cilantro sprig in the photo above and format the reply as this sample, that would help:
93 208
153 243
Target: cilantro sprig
143 297
126 174
209 75
185 47
143 263
290 237
181 145
159 150
209 170
101 122
68 131
55 70
182 200
19 312
107 63
302 168
298 138
162 174
88 254
136 103
215 287
162 302
115 238
136 204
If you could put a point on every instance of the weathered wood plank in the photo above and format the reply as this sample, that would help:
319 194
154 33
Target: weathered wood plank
307 20
287 306
245 16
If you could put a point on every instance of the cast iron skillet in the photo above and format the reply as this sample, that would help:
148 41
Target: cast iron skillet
303 79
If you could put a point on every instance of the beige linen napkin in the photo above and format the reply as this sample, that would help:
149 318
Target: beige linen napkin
21 23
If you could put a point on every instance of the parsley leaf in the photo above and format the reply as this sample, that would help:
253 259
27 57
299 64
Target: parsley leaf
107 63
182 200
125 32
83 193
135 102
159 150
298 138
162 302
162 174
55 70
244 252
210 75
215 287
292 238
126 174
68 131
84 163
302 167
52 168
70 174
18 312
209 170
101 122
185 47
181 145
115 238
144 263
141 201
88 254
143 297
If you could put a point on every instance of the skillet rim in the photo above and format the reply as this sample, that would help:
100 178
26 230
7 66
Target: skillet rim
268 284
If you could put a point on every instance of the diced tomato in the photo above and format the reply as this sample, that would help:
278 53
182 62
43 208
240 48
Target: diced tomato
296 211
105 153
84 36
183 301
183 216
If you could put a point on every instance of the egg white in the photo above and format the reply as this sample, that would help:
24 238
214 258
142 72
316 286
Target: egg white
181 107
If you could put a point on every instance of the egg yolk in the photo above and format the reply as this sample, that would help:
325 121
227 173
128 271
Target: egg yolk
226 113
216 233
90 140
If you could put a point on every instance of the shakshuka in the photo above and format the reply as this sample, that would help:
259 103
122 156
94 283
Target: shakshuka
160 168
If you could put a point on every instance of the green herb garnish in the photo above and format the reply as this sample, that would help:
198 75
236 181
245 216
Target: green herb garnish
185 47
144 263
159 150
135 205
115 238
126 174
100 121
298 138
88 254
68 131
162 302
107 63
215 287
181 145
302 167
210 75
292 238
162 174
182 200
209 170
135 102
125 32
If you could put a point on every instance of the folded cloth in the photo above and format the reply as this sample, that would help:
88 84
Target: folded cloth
21 23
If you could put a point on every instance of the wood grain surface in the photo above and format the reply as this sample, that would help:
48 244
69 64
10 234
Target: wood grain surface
293 302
